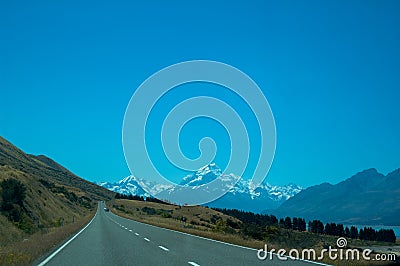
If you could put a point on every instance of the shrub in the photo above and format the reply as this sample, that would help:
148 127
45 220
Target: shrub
14 214
220 225
194 222
47 184
13 192
166 215
232 224
13 195
214 218
149 211
253 231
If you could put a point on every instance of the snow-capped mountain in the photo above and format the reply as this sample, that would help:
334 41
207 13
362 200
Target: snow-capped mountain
132 185
202 176
127 186
265 197
241 196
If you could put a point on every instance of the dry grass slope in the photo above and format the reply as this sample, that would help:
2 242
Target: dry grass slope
57 203
47 169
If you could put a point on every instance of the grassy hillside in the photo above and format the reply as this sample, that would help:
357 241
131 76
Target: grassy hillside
55 204
45 168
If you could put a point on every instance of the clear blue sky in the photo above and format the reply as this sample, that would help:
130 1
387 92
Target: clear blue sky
330 71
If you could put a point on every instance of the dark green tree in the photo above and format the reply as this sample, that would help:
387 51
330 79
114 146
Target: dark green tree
361 234
328 229
302 224
339 230
316 226
282 222
12 192
353 232
295 223
347 232
288 223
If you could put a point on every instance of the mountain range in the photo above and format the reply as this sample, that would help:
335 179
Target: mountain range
368 197
241 196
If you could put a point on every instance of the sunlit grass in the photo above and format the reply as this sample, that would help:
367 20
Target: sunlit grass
29 248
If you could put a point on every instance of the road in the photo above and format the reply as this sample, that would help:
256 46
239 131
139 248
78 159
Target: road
112 240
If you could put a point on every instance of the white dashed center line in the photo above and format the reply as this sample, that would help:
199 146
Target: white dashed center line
146 239
136 234
193 263
163 248
130 230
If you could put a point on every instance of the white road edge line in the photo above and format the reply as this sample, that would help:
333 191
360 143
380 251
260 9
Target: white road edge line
65 244
145 238
193 263
163 248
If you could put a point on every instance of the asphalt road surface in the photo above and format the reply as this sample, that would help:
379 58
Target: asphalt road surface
112 240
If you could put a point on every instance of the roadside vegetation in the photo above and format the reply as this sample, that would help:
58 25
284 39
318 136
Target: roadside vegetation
28 248
238 227
26 231
41 204
260 221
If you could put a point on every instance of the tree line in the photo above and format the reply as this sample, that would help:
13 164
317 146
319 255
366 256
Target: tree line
260 226
139 198
129 197
262 221
366 233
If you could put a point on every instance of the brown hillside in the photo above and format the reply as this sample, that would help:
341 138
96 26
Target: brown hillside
56 203
42 167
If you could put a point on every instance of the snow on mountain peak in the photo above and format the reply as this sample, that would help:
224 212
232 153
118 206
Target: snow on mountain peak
244 195
127 179
204 175
209 168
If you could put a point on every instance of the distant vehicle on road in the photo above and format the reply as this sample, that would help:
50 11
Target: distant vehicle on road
106 209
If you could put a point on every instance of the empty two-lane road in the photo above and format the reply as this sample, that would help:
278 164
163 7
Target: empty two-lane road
113 240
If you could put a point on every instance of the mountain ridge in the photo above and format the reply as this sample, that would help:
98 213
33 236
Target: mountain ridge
368 197
52 191
43 167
